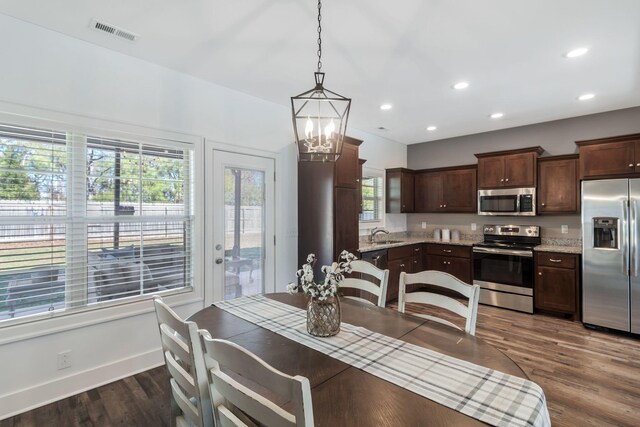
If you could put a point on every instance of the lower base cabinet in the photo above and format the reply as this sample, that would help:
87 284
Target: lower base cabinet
557 283
404 258
452 259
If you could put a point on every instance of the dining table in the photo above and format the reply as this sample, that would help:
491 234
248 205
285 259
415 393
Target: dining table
344 395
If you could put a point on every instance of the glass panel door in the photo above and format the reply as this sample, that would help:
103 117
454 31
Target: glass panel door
243 227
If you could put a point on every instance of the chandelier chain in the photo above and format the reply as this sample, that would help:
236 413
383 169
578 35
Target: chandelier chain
319 36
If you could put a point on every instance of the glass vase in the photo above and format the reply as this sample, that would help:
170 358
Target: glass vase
323 317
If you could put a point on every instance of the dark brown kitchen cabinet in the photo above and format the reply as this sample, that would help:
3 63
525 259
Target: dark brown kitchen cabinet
361 162
452 259
452 190
557 283
329 206
399 194
514 168
610 157
348 167
558 185
403 258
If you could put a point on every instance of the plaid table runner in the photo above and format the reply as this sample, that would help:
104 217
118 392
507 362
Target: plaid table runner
487 395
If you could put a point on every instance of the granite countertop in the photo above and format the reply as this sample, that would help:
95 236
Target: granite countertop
367 247
559 249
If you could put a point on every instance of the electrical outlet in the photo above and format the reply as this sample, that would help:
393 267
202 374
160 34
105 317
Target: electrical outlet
564 229
64 359
424 224
473 226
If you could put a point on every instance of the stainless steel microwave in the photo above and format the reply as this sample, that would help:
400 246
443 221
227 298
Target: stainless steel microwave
507 201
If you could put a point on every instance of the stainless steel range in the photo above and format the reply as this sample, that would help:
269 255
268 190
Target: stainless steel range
503 266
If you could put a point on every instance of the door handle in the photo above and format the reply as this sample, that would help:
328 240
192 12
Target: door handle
625 240
218 260
634 237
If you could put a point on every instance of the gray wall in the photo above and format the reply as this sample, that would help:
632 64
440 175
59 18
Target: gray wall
557 137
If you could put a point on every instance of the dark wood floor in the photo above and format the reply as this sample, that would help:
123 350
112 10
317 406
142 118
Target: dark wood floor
590 378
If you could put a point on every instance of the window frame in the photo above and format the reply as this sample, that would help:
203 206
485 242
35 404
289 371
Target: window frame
94 313
368 224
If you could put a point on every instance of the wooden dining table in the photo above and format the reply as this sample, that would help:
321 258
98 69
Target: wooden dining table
343 395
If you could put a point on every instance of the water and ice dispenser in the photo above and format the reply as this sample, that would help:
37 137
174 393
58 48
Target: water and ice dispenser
605 233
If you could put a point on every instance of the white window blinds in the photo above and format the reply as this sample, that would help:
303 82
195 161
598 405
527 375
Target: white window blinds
371 199
86 219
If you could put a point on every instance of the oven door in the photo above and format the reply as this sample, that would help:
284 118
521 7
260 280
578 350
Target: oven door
503 270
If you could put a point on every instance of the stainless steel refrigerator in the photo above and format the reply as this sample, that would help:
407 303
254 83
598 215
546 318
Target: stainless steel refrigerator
611 254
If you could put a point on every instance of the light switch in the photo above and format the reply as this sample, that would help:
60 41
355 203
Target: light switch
424 224
473 226
564 229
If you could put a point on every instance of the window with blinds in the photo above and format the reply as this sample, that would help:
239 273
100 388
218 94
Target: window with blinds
371 199
86 219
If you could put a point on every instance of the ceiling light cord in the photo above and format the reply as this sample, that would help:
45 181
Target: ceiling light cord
319 36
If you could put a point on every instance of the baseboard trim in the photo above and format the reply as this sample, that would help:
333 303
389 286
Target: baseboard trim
61 388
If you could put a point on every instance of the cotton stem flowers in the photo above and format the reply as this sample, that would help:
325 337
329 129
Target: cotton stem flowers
333 276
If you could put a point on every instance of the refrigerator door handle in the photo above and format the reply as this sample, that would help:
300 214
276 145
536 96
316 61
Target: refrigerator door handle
625 237
634 237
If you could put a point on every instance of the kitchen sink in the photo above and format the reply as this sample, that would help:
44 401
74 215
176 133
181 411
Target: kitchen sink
387 242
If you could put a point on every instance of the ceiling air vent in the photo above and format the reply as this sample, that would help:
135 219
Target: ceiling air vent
113 30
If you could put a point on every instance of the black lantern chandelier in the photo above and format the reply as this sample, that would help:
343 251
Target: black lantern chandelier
319 116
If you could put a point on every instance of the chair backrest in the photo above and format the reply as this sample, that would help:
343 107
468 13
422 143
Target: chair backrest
446 281
184 358
379 290
227 361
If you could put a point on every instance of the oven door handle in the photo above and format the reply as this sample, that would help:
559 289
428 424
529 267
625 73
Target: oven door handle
526 254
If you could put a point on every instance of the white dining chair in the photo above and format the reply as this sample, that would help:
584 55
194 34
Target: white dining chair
241 403
184 358
447 282
377 289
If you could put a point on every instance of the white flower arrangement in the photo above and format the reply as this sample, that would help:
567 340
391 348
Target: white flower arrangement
332 279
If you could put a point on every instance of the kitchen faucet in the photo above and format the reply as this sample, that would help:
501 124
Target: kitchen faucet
375 231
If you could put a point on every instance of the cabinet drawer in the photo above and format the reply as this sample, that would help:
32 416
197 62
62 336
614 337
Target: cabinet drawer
404 251
558 260
449 250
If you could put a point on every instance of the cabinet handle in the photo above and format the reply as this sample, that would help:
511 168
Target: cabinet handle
637 164
502 180
555 260
507 180
447 251
416 249
542 204
376 258
403 206
402 265
539 273
444 262
357 179
630 165
415 262
440 205
444 206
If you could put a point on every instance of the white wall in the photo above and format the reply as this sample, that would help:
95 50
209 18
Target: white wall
49 75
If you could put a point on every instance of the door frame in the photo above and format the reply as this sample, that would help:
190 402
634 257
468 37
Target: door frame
213 176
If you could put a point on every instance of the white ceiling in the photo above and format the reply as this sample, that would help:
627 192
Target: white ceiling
407 53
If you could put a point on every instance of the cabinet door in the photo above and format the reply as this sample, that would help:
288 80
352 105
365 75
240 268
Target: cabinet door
607 159
428 192
348 167
490 172
360 163
407 190
460 268
556 289
438 263
459 191
346 206
558 186
520 170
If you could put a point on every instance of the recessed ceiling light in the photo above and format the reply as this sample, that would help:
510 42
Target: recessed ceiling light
461 85
385 107
586 96
576 52
431 128
496 115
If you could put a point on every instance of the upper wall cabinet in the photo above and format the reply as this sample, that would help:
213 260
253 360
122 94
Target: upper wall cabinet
558 185
514 168
610 157
452 190
347 172
399 194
